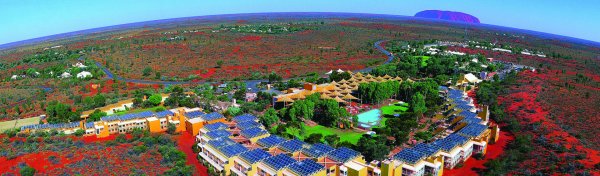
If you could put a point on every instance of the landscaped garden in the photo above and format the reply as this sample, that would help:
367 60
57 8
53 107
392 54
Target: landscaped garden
345 135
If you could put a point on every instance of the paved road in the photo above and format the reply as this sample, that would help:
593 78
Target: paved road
250 83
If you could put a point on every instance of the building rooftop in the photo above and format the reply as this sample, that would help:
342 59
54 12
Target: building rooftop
306 167
253 132
164 113
194 114
212 116
318 150
292 145
244 118
448 143
270 141
279 162
472 130
247 125
215 126
254 156
343 154
218 134
233 150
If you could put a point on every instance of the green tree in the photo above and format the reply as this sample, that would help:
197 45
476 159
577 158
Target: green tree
269 118
79 132
314 138
171 128
417 105
147 71
27 171
219 63
332 139
96 115
155 99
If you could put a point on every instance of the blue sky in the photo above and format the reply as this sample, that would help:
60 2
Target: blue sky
26 19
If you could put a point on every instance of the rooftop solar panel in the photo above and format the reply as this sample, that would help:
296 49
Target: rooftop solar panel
270 141
218 134
89 125
318 150
451 141
247 125
215 126
244 118
221 142
254 156
343 154
233 150
212 116
253 132
194 114
279 162
426 149
472 130
409 155
292 145
306 167
164 113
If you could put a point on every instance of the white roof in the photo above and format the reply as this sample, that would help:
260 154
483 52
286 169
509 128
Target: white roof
329 72
340 70
195 120
84 74
354 165
65 75
472 78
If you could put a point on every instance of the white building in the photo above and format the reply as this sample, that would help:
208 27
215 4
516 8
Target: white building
84 74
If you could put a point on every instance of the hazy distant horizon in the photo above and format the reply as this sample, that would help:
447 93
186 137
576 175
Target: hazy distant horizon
30 19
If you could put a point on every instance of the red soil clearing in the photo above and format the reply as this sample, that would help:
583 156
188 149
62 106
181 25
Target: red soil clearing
185 142
472 165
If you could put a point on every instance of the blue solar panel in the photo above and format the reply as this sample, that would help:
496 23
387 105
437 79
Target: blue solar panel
306 167
164 113
318 150
279 162
253 132
247 125
215 126
448 143
221 142
472 130
343 154
426 149
270 141
292 145
409 155
468 114
144 114
233 150
254 156
89 125
218 134
244 118
212 116
194 114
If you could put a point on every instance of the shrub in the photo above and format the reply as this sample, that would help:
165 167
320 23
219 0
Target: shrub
479 156
27 171
79 132
121 138
171 128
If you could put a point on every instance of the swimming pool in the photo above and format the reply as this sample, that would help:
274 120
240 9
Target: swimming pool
370 118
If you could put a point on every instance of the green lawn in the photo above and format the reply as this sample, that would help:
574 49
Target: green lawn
138 110
423 60
394 109
345 135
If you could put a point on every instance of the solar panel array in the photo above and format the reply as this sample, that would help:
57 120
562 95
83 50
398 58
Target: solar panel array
292 145
448 143
221 142
126 117
51 126
89 125
427 149
343 154
253 132
306 167
164 113
254 156
472 130
244 118
409 155
218 134
233 150
215 126
279 162
247 125
270 141
318 150
194 114
212 116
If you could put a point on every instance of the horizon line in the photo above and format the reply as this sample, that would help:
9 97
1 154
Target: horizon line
5 46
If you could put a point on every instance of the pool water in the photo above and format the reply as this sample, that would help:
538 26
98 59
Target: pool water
369 118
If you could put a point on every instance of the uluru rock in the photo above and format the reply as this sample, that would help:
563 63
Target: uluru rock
448 15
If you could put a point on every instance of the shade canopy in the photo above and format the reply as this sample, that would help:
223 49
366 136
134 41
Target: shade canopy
285 99
349 97
339 100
